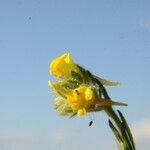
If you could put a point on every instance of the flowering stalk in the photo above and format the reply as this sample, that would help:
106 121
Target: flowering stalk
80 92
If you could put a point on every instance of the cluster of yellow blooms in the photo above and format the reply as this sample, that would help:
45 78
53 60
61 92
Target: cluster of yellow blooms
75 93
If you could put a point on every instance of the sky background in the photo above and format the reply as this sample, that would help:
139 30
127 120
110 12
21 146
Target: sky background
111 38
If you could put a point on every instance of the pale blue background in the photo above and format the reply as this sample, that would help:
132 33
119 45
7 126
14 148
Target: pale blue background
109 37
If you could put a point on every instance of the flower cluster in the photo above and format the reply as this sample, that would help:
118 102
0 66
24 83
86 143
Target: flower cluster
77 91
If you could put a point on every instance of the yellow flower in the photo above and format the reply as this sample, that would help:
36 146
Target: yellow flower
81 99
84 98
76 93
62 66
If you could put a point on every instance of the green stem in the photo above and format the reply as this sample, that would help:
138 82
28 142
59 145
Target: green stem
122 130
128 143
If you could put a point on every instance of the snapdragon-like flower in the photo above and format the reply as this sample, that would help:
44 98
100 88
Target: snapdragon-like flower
77 92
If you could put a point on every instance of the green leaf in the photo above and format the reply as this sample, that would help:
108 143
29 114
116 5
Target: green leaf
116 132
128 131
126 140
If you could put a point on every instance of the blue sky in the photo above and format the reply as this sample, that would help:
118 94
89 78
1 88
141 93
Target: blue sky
111 38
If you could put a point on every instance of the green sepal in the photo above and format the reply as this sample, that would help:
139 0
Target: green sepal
70 84
84 74
73 115
77 77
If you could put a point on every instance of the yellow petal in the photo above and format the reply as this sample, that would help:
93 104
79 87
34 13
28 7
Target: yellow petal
81 112
62 66
89 94
81 99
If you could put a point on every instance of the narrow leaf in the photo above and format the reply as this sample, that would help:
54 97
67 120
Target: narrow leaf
116 132
127 129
